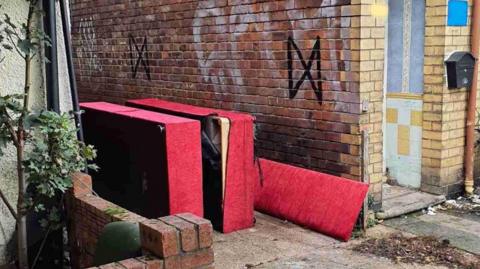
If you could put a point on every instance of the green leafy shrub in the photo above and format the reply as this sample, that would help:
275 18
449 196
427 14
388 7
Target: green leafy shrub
47 149
55 155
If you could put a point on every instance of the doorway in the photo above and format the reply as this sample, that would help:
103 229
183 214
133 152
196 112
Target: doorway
404 88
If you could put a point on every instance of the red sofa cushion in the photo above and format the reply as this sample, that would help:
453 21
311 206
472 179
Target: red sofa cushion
157 158
321 202
241 171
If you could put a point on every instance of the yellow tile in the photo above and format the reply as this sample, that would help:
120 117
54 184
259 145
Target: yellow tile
392 115
403 140
416 118
403 147
403 132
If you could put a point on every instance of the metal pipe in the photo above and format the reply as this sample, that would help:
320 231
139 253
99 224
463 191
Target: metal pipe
50 22
365 178
472 100
71 68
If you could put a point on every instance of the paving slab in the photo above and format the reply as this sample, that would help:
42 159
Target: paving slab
462 232
273 243
338 259
399 201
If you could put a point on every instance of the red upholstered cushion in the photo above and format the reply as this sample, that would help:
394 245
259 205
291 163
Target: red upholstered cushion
321 202
241 171
107 107
163 150
187 110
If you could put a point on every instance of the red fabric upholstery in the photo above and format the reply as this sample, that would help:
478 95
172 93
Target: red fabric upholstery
321 202
241 172
161 149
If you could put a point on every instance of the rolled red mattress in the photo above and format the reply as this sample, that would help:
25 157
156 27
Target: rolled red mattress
321 202
240 172
150 162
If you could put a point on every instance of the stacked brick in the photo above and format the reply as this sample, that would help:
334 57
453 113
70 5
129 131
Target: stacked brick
179 241
234 55
444 109
183 240
86 219
371 48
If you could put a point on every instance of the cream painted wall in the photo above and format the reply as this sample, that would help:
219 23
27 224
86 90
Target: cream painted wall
11 81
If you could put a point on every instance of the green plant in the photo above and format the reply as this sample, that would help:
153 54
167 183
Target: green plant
370 201
56 154
371 222
47 149
115 210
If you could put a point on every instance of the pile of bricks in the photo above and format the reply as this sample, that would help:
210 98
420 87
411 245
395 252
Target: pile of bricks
179 241
182 240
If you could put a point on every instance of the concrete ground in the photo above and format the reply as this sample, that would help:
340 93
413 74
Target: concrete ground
399 201
273 243
462 230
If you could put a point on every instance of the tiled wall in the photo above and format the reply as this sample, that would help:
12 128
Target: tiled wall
404 140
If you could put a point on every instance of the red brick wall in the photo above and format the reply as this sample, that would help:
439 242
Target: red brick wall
233 55
171 242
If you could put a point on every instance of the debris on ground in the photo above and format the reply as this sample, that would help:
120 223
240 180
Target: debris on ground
468 205
432 211
421 250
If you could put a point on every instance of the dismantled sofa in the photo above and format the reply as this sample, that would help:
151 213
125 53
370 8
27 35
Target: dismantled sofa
229 171
159 157
150 163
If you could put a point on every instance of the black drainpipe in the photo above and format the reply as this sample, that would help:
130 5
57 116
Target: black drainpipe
38 235
51 67
71 69
54 246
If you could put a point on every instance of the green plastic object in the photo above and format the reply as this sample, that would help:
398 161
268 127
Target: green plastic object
118 241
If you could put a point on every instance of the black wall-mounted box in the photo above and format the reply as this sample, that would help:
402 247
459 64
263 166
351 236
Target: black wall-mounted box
460 69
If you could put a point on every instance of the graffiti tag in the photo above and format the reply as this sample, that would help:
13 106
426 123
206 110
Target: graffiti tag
139 56
307 66
88 48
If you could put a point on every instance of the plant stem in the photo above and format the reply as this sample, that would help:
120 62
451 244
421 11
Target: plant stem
22 184
21 215
11 129
7 203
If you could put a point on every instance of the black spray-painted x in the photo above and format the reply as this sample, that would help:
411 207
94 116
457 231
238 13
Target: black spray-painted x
315 55
140 56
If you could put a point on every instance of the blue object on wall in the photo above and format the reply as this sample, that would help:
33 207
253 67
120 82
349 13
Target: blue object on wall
457 13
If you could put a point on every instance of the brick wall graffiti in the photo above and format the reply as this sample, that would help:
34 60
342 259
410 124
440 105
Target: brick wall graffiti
209 60
139 56
307 66
88 48
238 25
234 55
237 22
